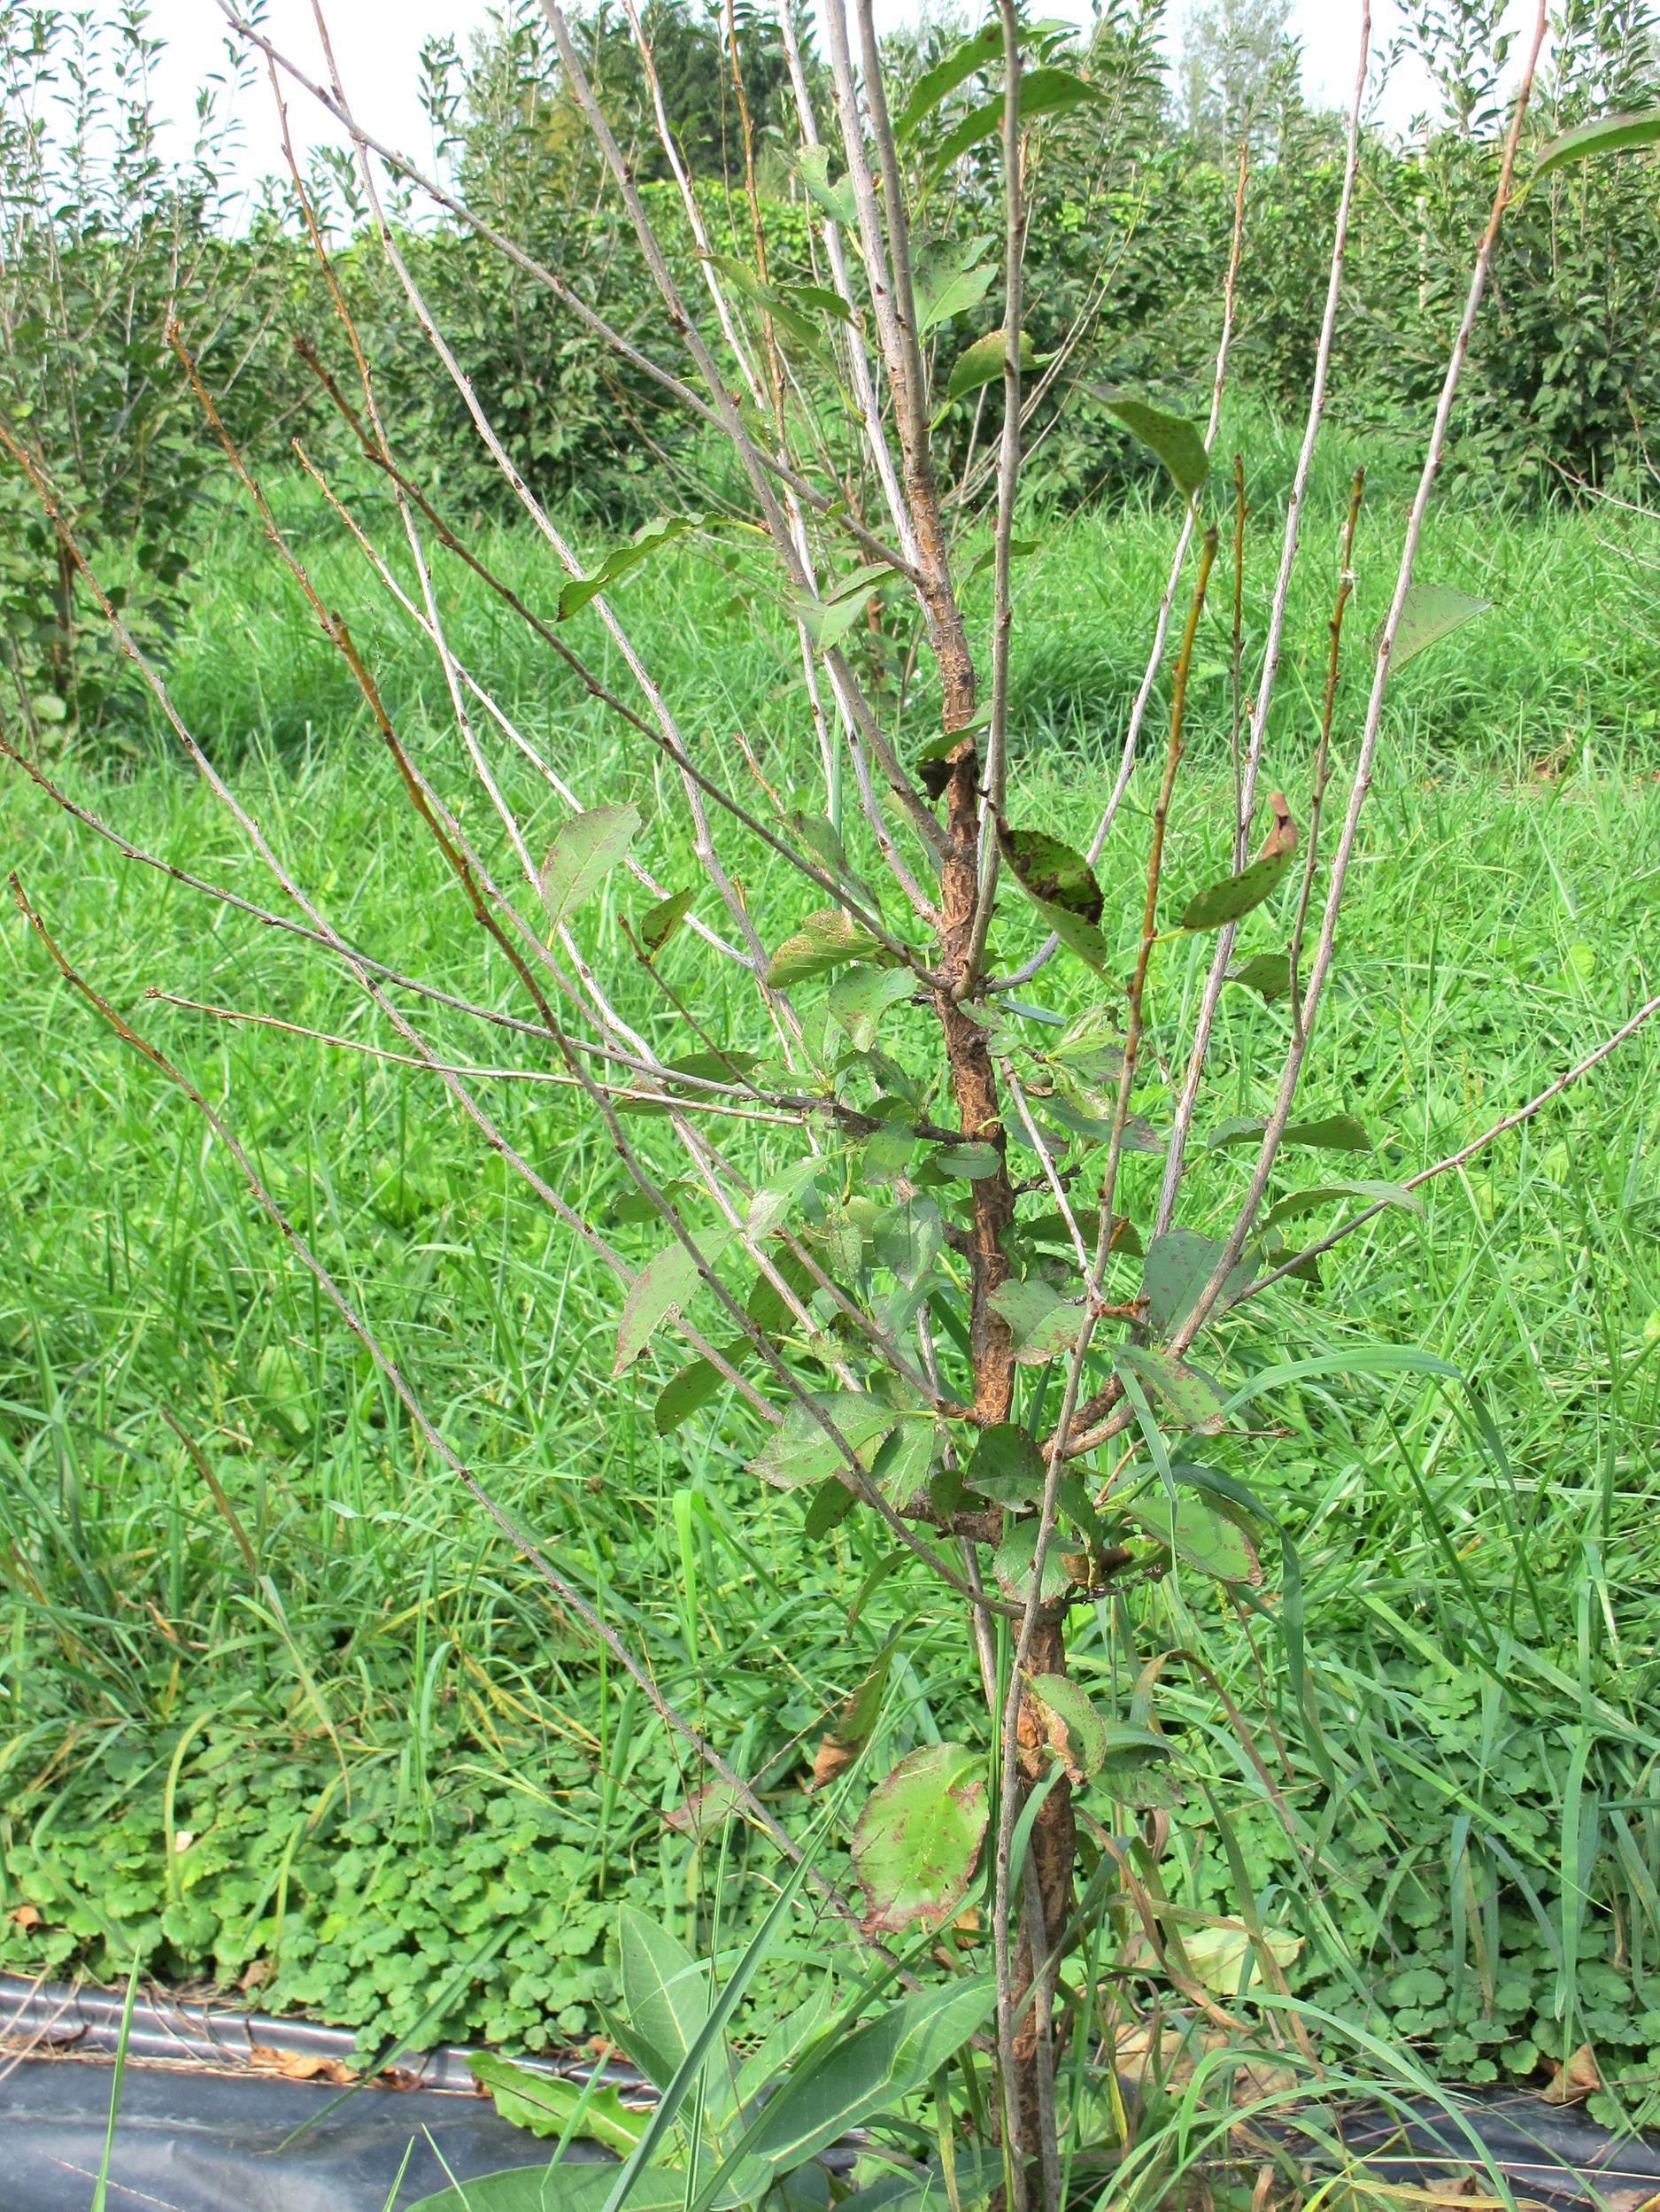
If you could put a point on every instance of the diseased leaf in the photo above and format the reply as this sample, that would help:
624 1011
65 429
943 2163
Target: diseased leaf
1051 872
828 939
660 1289
953 284
982 363
775 1198
1006 1466
918 1839
1374 1193
1268 974
705 1811
1432 612
659 923
1609 134
1012 1562
1077 1732
1217 1955
798 1451
901 1467
1172 438
1061 884
1042 1321
1236 895
859 999
583 855
1178 1266
852 1728
547 2104
907 1238
1191 1396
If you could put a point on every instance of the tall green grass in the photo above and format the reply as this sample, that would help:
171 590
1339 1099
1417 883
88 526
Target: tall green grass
323 1725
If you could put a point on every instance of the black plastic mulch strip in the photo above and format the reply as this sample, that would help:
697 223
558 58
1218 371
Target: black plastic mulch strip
190 2141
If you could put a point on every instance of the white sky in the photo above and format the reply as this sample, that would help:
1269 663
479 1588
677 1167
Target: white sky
376 44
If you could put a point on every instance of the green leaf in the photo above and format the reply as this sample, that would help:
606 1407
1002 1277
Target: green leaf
973 1161
566 2186
850 2077
826 941
659 923
1609 134
1019 549
1043 1322
835 200
982 363
1336 1133
1374 1194
918 1838
1042 92
817 299
660 1289
1268 974
981 51
975 2175
1061 884
1236 895
1431 612
1174 440
1177 1267
829 1507
684 1394
798 1451
651 538
859 999
1078 1734
286 1389
1211 1540
667 1991
827 621
1011 1563
1006 1466
547 2104
1191 1396
583 855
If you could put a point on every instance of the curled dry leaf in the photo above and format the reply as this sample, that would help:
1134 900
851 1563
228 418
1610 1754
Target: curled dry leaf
299 2066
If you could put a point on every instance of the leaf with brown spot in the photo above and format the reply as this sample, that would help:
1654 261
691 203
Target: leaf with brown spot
1061 884
918 1839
